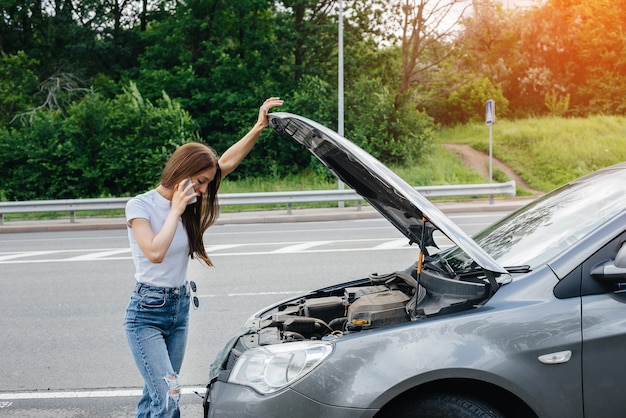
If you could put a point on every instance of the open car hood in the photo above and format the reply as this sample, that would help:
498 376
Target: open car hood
409 211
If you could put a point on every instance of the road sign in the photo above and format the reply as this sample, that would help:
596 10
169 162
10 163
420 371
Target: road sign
490 117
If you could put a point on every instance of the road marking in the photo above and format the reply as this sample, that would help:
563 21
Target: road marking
98 255
399 243
86 394
213 248
12 256
298 248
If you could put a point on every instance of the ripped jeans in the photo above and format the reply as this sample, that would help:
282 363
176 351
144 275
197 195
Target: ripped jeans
156 325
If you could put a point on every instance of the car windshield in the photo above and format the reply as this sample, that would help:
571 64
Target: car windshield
535 234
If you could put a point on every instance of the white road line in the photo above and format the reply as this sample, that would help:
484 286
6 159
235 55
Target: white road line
398 243
213 248
13 256
64 260
98 255
86 394
300 247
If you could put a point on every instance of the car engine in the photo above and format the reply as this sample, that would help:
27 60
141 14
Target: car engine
369 303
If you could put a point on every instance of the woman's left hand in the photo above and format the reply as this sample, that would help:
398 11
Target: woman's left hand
265 108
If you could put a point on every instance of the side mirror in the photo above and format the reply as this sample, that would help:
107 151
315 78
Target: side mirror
612 271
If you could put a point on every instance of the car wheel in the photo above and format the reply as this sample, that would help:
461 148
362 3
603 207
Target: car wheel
440 405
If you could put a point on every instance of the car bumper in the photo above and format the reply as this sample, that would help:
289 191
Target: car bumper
225 400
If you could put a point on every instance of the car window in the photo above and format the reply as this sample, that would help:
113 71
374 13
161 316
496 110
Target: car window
537 233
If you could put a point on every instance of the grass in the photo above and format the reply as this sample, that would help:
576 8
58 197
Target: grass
439 167
548 152
308 180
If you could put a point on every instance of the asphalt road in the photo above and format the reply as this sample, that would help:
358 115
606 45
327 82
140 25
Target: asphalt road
63 352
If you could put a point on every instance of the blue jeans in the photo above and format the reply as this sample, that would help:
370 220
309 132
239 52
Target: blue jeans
156 325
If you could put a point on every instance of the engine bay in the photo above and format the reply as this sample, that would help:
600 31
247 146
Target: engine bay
373 302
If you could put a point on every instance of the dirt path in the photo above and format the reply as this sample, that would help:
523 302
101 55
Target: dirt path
479 162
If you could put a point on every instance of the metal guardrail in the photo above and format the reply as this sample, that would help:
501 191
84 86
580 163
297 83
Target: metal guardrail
241 199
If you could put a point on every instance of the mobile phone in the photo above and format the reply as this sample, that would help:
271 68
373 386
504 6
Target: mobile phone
191 192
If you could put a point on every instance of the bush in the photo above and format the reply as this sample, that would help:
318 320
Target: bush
393 134
100 148
467 103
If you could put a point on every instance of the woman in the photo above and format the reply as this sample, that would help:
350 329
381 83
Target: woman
165 228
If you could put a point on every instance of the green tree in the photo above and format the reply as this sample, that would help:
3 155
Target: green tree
219 60
598 41
19 25
17 86
488 46
427 27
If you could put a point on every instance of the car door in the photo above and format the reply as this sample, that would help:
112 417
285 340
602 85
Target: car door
604 337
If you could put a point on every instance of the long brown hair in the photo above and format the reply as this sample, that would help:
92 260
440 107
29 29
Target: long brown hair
189 160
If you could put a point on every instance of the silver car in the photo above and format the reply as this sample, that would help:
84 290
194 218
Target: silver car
525 319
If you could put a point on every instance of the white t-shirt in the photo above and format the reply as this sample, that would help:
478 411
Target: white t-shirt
172 272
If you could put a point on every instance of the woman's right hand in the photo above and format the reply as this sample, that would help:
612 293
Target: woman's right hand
182 196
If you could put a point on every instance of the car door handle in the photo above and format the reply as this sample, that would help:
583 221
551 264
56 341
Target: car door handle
556 358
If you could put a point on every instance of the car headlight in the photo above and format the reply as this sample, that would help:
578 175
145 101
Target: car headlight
270 368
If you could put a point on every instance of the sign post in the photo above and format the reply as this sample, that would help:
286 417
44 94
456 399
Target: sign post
490 118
